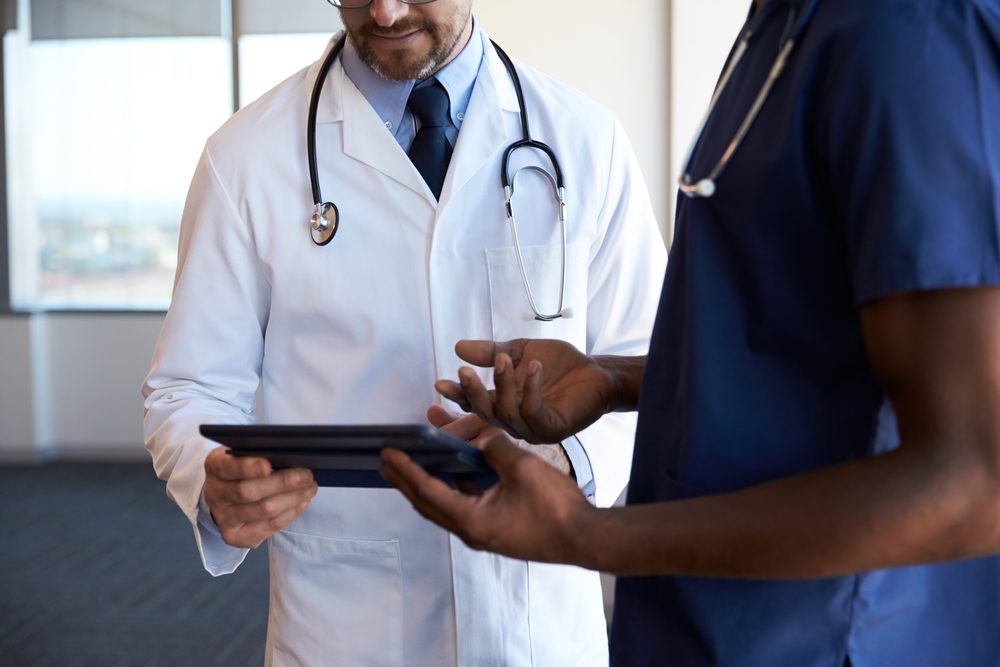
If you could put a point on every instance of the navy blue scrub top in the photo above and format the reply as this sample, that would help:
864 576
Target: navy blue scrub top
873 168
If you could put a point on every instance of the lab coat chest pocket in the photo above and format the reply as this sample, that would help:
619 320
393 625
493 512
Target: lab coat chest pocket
510 310
338 602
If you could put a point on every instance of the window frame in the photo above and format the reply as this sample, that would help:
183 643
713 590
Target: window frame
5 302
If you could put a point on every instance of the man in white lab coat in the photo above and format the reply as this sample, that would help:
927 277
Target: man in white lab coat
358 330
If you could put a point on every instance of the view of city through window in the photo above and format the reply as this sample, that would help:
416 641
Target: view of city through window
102 139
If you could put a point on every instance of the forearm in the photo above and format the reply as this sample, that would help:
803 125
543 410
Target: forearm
893 510
625 374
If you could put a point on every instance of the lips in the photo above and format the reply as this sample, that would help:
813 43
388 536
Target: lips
401 30
395 36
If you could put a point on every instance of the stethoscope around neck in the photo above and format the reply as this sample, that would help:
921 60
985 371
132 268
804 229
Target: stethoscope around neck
705 187
325 220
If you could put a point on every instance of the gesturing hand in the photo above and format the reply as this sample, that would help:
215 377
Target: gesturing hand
249 501
546 390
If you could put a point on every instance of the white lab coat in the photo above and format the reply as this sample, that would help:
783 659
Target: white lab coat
358 331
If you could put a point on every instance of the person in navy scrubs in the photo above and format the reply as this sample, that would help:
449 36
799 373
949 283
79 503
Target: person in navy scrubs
816 478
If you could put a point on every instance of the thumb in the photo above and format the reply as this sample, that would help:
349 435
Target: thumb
476 352
502 454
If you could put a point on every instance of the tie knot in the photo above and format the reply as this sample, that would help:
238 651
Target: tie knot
430 104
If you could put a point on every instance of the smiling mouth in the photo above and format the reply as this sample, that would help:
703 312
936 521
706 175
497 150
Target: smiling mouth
394 36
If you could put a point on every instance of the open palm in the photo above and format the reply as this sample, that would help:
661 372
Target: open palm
546 390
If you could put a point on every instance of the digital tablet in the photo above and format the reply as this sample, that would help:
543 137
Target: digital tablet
349 456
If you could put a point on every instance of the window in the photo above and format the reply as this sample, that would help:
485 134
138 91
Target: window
108 105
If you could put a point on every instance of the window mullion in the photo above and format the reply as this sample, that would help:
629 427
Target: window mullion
5 295
231 29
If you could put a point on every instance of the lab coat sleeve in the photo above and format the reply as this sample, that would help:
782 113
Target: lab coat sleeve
580 464
627 263
206 365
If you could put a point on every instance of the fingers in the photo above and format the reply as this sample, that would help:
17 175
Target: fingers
532 403
399 470
248 501
259 497
271 526
439 417
430 496
269 507
467 428
508 396
224 465
255 489
453 392
249 524
251 534
479 398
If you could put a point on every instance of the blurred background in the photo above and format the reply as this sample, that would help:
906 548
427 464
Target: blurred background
106 105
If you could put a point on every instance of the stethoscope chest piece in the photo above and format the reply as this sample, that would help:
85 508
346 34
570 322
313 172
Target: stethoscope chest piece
324 223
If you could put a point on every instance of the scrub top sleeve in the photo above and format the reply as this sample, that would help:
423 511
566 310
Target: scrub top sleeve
910 144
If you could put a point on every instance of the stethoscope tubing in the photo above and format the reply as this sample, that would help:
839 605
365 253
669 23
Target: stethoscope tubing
706 187
325 220
326 217
317 90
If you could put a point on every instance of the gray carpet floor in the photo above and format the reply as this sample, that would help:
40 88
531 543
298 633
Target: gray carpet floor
98 567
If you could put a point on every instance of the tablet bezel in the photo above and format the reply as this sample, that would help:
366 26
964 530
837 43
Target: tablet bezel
350 455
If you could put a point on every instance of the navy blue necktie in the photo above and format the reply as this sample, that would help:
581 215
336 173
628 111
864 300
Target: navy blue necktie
430 150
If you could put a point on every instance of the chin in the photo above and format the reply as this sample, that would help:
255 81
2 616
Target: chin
403 70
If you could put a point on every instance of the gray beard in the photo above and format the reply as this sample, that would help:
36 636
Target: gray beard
429 68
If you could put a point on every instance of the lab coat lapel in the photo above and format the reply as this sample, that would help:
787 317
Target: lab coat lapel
365 138
484 133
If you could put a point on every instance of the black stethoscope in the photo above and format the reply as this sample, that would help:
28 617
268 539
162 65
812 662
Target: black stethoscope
326 219
705 187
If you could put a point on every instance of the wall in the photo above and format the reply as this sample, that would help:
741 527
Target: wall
700 38
17 425
618 57
69 383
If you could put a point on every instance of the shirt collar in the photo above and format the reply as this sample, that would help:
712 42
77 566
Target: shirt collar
388 98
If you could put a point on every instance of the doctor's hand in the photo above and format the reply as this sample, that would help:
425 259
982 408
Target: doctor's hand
475 431
546 390
250 501
532 513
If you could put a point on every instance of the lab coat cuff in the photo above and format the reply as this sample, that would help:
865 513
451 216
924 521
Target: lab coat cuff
578 458
218 557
